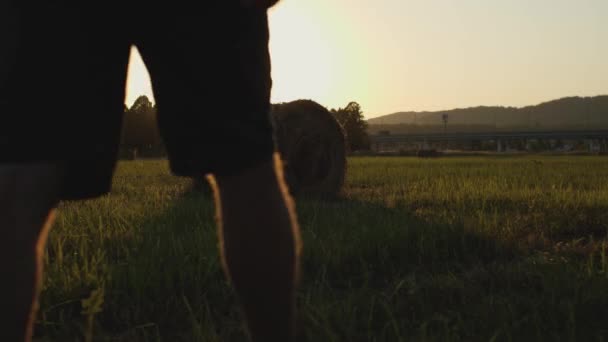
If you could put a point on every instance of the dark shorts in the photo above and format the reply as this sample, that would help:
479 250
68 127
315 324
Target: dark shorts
62 77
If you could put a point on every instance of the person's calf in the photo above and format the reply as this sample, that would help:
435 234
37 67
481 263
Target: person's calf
29 195
260 242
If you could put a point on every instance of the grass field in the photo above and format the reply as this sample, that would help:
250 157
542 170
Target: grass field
449 249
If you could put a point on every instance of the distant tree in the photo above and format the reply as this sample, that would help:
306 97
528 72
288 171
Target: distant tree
352 121
139 126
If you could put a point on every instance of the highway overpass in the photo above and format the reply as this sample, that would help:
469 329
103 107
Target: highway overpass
593 138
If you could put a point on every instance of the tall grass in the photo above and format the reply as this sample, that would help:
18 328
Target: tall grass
451 249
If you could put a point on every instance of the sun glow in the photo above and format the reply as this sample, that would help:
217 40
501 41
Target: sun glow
400 55
138 79
313 56
314 51
302 63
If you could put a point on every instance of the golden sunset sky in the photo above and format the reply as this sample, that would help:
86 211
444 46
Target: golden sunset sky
401 55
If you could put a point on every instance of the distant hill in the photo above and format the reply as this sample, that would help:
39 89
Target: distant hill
565 113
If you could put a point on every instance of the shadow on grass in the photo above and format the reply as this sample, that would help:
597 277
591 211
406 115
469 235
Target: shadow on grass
161 281
369 273
373 273
345 233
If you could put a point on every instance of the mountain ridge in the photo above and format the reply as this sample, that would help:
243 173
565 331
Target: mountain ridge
565 111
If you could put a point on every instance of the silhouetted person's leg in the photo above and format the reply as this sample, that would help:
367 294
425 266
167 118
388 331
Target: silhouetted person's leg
211 75
260 242
62 75
28 198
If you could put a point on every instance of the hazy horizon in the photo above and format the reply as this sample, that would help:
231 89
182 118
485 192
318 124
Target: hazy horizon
490 106
397 55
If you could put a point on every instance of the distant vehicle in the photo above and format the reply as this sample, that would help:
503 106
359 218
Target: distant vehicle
428 153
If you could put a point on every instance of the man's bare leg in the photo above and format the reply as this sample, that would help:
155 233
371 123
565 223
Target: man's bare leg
260 244
27 201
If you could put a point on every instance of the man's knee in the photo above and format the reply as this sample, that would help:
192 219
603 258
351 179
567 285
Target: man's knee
265 176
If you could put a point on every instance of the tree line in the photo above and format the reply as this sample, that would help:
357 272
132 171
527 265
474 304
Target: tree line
140 135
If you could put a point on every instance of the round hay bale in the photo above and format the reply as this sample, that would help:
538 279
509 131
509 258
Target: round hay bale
312 147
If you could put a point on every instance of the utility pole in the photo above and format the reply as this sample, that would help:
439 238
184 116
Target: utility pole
444 117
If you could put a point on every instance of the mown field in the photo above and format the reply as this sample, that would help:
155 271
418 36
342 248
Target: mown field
448 249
